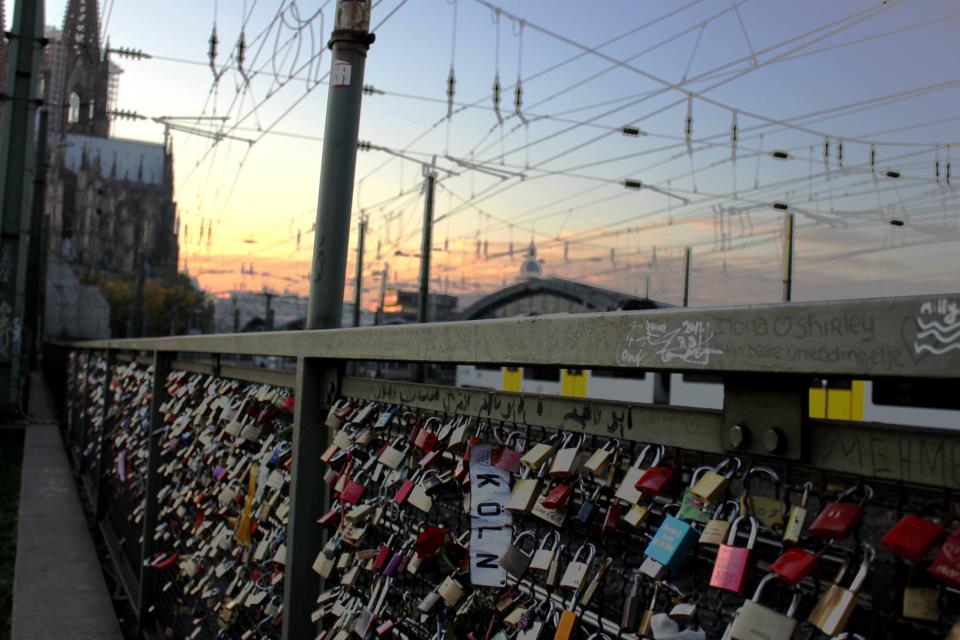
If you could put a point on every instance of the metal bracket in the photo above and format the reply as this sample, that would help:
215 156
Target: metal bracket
764 415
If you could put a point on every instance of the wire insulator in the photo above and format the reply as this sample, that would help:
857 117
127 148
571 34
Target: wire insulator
632 184
688 126
734 137
496 98
518 102
451 91
840 154
779 155
873 159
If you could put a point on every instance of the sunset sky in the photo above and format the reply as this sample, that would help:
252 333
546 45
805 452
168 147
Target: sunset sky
875 78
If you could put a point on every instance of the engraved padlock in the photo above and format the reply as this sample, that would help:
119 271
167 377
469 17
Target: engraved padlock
693 508
755 621
575 575
514 559
525 491
451 591
768 511
733 565
716 530
672 543
541 452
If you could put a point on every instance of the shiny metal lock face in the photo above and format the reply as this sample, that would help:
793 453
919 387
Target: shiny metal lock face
451 591
575 575
524 495
837 603
627 490
544 555
755 621
566 460
710 485
600 459
514 559
734 564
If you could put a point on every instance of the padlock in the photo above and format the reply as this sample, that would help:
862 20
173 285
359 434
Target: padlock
426 439
588 505
558 496
383 554
797 517
566 461
460 432
368 617
406 488
428 602
631 604
734 564
349 577
611 519
643 627
353 491
920 602
393 455
672 543
451 591
768 511
838 519
627 489
545 552
837 603
554 517
507 457
394 565
575 575
755 621
692 507
711 485
717 528
514 559
524 493
912 537
386 417
332 421
599 460
656 480
636 515
946 564
796 563
419 496
540 453
324 565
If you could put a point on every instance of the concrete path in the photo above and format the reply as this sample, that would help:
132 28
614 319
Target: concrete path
58 588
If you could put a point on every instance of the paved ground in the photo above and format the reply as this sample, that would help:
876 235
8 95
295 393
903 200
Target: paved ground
58 588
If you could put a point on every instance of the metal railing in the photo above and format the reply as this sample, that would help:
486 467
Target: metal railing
766 355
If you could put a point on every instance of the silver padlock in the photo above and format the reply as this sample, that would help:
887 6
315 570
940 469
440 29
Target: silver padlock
759 622
514 559
544 554
575 575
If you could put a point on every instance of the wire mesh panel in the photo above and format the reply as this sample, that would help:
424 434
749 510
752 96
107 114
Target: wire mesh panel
223 504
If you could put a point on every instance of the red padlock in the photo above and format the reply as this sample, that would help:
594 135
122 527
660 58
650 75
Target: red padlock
946 566
558 497
913 537
353 492
838 519
329 518
656 480
795 564
382 555
427 440
405 488
734 564
612 520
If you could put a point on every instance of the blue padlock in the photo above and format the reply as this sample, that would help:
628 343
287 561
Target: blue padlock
672 543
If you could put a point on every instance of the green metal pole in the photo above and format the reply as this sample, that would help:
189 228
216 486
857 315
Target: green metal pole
16 168
358 280
31 323
318 380
151 511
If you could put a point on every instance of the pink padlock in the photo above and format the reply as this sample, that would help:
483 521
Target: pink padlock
734 564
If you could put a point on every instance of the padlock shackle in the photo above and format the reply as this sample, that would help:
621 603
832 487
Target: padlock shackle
520 536
555 536
611 441
732 535
591 552
718 512
697 472
657 455
759 469
431 420
730 472
869 553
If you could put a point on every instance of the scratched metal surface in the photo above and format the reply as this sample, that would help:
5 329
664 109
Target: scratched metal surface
910 336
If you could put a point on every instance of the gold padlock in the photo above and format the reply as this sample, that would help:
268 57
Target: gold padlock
716 529
525 491
627 491
768 511
543 556
837 603
920 603
711 484
599 460
575 575
797 517
451 591
566 461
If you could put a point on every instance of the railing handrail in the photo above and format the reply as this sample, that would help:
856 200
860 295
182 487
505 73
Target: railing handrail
878 337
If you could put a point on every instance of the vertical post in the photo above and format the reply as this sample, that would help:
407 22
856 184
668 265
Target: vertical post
104 446
268 312
31 317
384 276
349 41
151 510
687 255
646 290
787 256
317 380
16 149
358 279
426 249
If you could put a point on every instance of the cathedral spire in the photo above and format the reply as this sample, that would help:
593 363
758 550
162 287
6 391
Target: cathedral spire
81 29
